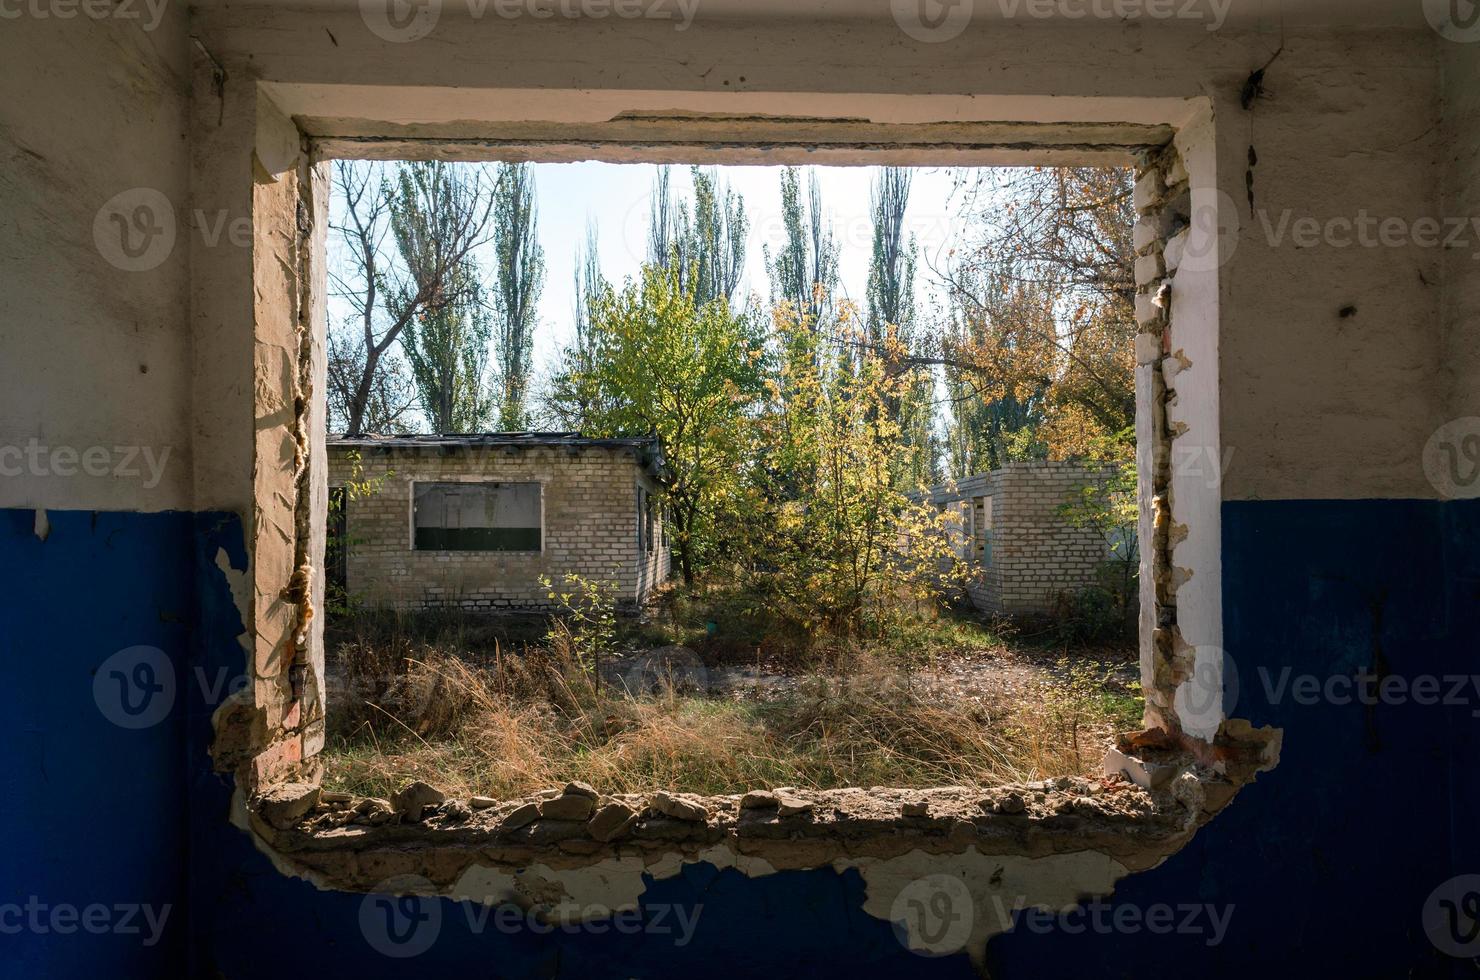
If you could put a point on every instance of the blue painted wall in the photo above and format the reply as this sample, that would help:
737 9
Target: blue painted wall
1326 862
92 813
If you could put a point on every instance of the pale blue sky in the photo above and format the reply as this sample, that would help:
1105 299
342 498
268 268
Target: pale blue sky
617 197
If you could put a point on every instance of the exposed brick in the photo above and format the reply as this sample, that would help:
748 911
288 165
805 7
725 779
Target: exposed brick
590 518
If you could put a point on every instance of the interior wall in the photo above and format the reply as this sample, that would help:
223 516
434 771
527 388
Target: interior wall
1328 514
96 396
1459 419
1327 353
1460 181
94 328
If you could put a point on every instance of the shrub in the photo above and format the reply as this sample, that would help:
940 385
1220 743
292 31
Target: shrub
586 625
1091 616
832 540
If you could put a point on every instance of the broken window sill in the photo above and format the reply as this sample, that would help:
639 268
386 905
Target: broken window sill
356 843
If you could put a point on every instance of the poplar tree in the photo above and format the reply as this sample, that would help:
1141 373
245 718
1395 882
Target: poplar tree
445 339
519 277
890 329
805 271
434 217
705 244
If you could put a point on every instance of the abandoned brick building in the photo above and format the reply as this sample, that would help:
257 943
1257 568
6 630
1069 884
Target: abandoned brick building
1016 529
476 521
1308 300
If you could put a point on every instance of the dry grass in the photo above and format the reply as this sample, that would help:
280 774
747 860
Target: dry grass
495 723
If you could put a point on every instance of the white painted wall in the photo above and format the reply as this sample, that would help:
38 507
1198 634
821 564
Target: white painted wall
94 358
1312 405
1316 405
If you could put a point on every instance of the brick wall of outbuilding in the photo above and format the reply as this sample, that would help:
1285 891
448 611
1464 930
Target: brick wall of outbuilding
590 527
1037 553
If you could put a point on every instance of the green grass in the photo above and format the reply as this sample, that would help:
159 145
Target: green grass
504 708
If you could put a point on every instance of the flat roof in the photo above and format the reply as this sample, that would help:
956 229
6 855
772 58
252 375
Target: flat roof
495 439
647 449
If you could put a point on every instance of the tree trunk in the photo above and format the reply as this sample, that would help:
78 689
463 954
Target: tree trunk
684 546
356 421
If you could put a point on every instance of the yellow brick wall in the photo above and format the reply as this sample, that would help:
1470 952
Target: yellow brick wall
589 503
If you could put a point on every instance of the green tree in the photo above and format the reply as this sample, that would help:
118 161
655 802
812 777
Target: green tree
691 375
445 339
918 462
891 272
720 230
832 539
1044 294
436 216
997 390
706 246
447 349
668 224
891 322
519 277
805 270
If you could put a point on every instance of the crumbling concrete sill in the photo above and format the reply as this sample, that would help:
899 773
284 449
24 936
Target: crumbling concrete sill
357 844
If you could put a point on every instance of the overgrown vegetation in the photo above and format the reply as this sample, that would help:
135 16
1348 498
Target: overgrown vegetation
690 373
801 434
1038 348
1105 611
505 711
827 533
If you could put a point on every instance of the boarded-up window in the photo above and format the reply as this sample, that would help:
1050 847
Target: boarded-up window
477 517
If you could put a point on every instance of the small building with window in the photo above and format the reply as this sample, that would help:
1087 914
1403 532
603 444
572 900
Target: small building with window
475 521
1026 553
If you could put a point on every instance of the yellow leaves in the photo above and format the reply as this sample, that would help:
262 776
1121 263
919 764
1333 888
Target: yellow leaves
1071 432
830 515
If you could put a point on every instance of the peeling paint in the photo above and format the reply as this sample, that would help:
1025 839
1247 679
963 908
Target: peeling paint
997 887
